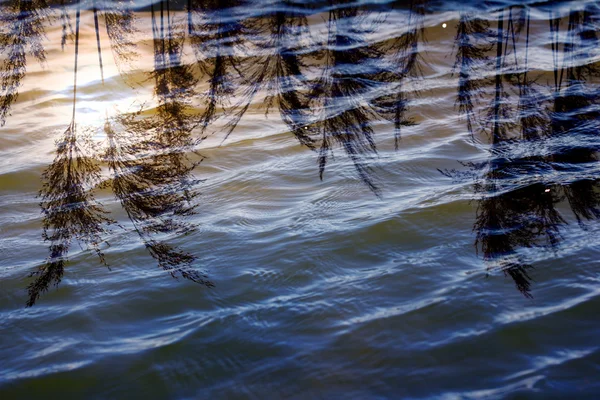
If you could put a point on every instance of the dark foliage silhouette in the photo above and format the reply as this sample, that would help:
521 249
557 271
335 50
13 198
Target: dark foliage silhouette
217 37
472 43
67 33
278 70
157 191
22 32
330 81
121 30
342 116
406 65
69 208
531 146
574 112
517 209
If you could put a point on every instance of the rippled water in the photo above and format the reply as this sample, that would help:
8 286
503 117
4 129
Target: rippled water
361 199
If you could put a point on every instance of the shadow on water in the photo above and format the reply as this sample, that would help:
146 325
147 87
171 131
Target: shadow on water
330 89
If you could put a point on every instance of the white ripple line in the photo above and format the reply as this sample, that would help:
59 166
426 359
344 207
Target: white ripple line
507 318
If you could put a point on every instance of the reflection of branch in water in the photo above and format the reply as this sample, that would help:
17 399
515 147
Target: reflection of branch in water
344 117
516 212
277 68
151 176
216 35
499 113
153 191
147 157
407 65
69 208
120 28
174 81
513 215
517 209
24 20
99 47
119 22
67 29
534 120
575 112
472 42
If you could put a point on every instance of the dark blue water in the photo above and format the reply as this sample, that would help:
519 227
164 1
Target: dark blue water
357 199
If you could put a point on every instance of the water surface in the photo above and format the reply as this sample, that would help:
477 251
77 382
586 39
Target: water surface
358 199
